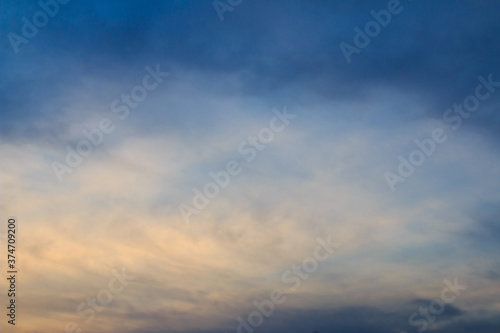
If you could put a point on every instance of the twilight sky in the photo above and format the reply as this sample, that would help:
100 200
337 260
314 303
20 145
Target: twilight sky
171 164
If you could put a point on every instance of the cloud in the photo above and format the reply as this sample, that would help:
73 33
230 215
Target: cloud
323 175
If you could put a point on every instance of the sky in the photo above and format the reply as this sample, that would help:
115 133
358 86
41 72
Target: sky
251 166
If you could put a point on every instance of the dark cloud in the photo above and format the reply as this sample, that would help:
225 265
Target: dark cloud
356 320
430 49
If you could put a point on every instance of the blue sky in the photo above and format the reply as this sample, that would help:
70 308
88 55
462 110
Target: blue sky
100 67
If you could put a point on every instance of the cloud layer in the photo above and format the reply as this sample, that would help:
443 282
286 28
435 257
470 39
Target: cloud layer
323 175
